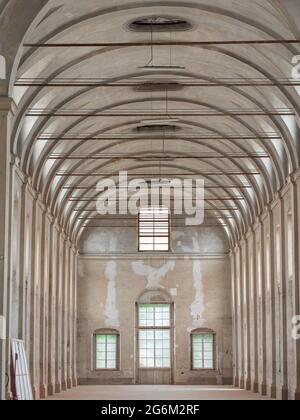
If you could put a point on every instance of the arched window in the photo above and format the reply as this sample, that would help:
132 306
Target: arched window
203 345
106 349
155 334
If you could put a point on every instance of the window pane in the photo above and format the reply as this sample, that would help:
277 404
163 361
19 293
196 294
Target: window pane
144 240
159 353
159 362
101 355
154 349
143 363
150 335
150 344
111 364
198 364
101 364
101 346
208 364
146 247
106 351
166 363
150 363
143 344
203 351
154 229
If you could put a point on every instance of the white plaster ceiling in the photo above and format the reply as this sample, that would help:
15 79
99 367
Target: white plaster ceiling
92 21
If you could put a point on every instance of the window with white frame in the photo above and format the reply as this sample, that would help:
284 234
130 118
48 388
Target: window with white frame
203 350
154 336
154 229
106 351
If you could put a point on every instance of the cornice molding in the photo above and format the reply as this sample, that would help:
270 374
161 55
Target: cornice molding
177 257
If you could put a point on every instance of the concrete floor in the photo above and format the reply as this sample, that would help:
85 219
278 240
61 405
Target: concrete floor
148 392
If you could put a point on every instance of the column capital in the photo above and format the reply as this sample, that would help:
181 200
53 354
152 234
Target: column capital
41 205
242 241
248 234
257 224
296 175
275 201
31 190
21 175
286 188
63 235
7 105
265 214
74 249
56 226
50 216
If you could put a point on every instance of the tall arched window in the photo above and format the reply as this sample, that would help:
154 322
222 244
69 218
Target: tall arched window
106 349
155 338
203 345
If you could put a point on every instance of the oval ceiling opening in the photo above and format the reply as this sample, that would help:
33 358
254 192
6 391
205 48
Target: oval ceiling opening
160 24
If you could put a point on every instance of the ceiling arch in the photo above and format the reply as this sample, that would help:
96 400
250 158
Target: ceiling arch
229 81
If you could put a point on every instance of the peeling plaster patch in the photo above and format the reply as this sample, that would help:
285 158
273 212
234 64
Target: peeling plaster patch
176 235
173 292
154 275
2 68
111 312
198 306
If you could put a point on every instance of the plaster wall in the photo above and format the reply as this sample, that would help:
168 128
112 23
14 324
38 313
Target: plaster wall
112 276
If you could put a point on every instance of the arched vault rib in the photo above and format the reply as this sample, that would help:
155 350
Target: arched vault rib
291 148
253 206
262 194
130 7
235 118
213 207
76 166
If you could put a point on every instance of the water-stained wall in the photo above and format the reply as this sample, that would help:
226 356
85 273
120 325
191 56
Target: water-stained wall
112 275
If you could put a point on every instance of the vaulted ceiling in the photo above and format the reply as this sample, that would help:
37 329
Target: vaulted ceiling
229 108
